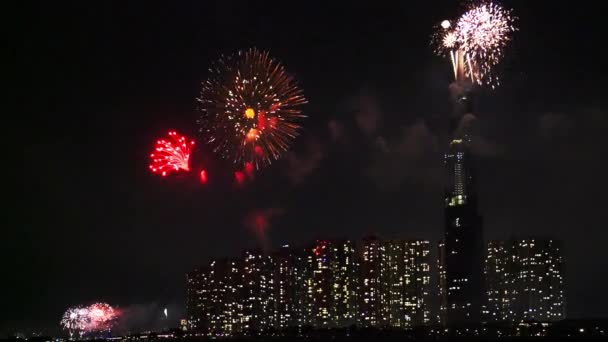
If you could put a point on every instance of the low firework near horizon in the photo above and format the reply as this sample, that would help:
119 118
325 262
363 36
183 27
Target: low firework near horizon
476 42
85 319
249 108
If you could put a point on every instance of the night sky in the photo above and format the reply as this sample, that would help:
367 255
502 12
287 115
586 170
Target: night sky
99 83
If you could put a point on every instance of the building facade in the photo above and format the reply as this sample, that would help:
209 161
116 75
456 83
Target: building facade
463 241
462 254
290 287
525 280
334 283
500 282
258 291
395 284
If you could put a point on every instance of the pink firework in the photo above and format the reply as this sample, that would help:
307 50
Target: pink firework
476 41
171 155
483 32
86 319
101 317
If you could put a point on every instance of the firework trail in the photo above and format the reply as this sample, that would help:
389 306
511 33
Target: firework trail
171 155
476 41
249 108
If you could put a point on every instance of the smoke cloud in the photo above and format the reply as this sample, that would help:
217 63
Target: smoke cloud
412 157
300 166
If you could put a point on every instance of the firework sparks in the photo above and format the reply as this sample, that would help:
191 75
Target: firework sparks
203 177
476 42
171 155
249 108
484 32
101 316
83 319
75 320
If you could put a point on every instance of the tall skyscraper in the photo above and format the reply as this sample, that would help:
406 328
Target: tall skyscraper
525 280
463 240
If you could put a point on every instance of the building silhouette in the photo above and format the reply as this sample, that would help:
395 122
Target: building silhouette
461 254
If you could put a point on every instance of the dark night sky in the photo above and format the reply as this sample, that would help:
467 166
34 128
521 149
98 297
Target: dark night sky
98 83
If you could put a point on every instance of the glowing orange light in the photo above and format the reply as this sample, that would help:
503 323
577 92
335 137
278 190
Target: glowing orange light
249 113
252 134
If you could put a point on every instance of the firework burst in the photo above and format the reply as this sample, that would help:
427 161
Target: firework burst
76 320
101 316
476 41
171 155
249 108
483 32
84 319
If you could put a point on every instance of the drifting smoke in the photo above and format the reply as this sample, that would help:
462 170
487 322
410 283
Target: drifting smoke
259 221
367 114
300 166
147 317
413 157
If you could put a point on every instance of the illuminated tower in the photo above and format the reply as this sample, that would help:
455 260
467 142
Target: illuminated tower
463 242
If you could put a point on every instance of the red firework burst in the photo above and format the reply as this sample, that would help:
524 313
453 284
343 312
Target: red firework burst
171 155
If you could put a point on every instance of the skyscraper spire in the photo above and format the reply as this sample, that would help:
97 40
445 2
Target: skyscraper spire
463 244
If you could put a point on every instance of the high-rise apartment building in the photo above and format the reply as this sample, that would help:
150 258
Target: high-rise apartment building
290 273
334 282
370 308
500 282
525 280
395 285
539 272
198 300
224 309
258 292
